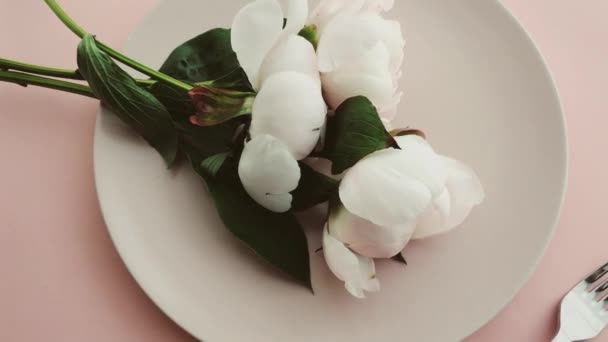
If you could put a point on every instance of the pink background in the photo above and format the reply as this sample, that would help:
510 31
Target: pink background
60 277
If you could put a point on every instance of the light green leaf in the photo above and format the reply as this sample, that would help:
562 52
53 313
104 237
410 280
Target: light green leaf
132 104
354 132
212 165
314 188
309 32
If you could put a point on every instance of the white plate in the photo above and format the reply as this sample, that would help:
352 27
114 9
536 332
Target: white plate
474 82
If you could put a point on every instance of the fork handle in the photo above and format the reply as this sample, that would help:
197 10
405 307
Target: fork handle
561 337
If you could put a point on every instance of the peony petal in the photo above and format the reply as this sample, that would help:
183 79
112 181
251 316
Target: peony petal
296 13
434 219
465 189
392 37
367 76
377 6
380 188
465 192
368 271
269 173
294 53
290 107
255 31
388 112
327 10
348 37
357 273
420 161
368 239
341 85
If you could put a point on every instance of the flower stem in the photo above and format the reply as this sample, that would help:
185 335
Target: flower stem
27 79
39 70
80 32
145 83
7 65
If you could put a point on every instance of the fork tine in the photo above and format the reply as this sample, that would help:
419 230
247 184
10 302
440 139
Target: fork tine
602 288
601 292
597 275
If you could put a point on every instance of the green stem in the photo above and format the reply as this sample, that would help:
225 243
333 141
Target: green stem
26 79
39 70
7 65
80 32
146 83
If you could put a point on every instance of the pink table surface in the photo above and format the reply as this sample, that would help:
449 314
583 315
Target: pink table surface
60 276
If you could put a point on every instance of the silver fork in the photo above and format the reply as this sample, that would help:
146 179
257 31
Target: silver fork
584 311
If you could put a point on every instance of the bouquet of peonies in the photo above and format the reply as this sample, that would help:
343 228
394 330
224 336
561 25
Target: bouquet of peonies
257 108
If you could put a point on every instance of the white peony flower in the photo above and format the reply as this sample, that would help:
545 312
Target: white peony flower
390 197
283 68
359 52
383 196
269 173
290 107
393 195
357 272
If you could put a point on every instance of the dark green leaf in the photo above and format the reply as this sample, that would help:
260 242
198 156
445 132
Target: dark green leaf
132 104
178 102
354 132
209 141
204 105
212 165
277 238
208 57
314 188
399 258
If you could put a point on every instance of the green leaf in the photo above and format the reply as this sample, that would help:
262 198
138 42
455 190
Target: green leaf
314 188
277 238
399 258
178 102
309 32
208 57
209 141
212 165
132 104
354 132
